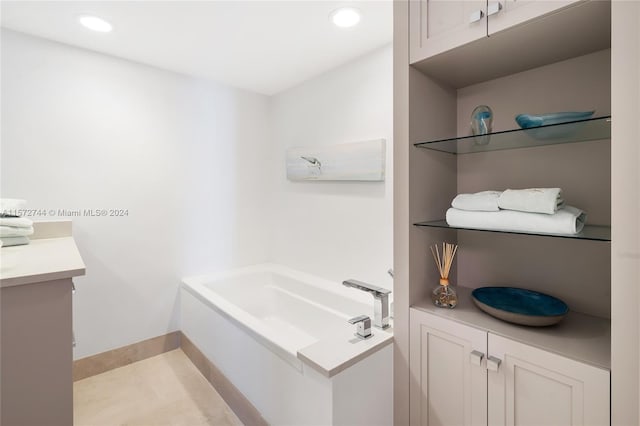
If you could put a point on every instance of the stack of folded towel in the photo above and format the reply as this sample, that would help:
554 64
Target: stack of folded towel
523 210
14 230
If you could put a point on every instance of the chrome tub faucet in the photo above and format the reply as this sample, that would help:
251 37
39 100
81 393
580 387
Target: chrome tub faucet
380 301
363 324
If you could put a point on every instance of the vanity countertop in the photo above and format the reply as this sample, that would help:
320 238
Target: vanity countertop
44 259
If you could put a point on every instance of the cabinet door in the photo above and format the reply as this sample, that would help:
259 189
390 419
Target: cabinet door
534 387
37 356
448 379
503 14
436 26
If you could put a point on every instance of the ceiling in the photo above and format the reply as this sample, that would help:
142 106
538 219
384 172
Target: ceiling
262 46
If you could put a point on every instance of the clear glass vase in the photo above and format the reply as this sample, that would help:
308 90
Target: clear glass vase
444 296
481 120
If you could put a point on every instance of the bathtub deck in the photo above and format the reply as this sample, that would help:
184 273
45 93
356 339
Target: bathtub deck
331 356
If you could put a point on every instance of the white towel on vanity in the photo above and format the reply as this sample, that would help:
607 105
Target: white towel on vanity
10 205
533 200
13 241
17 222
567 220
12 231
486 201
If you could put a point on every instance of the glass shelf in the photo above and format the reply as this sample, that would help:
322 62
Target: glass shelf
589 232
574 131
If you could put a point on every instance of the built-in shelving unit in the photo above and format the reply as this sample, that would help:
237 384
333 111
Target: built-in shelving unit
568 60
589 232
598 128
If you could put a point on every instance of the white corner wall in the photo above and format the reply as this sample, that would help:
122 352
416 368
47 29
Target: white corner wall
200 169
185 157
336 230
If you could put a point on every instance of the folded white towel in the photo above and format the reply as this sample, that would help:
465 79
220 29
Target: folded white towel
12 231
533 200
568 220
17 222
10 205
13 241
486 201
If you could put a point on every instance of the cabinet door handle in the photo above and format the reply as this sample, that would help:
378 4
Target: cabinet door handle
476 358
476 16
73 288
493 363
494 8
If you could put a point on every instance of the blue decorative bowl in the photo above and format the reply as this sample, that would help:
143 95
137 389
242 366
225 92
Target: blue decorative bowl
527 121
530 121
520 306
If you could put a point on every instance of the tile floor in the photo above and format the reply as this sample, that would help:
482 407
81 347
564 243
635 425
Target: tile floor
163 390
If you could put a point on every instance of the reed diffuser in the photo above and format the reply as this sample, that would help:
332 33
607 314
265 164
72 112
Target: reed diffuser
444 296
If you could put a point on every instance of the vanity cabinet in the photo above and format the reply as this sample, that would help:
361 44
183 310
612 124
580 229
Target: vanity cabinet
37 354
465 375
36 327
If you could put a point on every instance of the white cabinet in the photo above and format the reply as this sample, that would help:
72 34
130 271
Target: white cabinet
462 375
448 379
438 26
535 387
504 14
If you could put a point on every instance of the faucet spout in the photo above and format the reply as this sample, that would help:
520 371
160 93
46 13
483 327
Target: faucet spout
380 301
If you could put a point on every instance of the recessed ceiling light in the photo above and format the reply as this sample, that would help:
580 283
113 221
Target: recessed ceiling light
96 24
345 17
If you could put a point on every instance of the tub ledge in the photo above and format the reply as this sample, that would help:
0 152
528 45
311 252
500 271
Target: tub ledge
331 356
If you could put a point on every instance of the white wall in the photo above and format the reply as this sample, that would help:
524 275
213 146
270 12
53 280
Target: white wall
336 230
82 130
199 166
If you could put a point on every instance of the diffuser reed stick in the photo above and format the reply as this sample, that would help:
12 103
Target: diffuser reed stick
443 295
444 263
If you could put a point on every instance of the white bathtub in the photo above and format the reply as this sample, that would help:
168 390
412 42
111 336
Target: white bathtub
282 338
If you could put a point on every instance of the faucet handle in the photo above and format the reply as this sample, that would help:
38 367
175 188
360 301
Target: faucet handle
363 323
357 319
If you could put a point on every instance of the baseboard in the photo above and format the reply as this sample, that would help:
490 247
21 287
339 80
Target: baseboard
240 405
105 361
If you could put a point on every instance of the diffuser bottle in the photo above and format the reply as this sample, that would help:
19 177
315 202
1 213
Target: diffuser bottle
444 296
